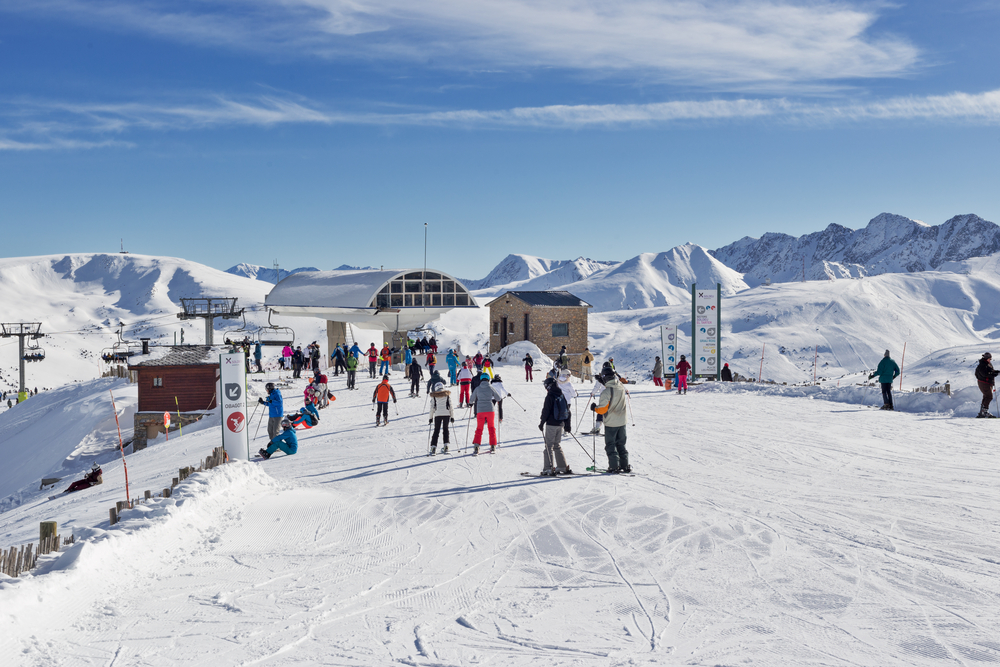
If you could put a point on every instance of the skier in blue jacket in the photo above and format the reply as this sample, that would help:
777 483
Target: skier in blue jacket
452 359
276 409
286 441
356 351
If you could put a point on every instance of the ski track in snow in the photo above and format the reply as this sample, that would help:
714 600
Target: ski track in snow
762 530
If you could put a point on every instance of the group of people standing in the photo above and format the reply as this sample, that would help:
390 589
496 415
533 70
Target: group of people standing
295 359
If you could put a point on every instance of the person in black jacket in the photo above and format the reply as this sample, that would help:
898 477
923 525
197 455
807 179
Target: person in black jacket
416 374
985 375
727 374
553 462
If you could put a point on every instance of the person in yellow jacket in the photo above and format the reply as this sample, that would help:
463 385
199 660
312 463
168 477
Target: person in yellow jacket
613 406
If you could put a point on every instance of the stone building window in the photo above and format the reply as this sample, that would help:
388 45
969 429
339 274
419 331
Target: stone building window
560 330
496 328
510 326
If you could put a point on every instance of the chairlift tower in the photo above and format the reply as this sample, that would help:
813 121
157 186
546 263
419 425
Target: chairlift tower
22 330
209 308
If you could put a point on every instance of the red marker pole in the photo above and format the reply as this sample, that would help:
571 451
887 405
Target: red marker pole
121 448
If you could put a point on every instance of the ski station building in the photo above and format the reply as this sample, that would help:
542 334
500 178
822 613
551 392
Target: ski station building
369 306
548 319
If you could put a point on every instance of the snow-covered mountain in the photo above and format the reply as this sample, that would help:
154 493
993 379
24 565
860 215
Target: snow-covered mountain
81 298
888 244
518 270
257 272
650 280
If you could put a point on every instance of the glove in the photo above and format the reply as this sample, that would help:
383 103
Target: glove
541 427
452 420
261 401
430 421
593 407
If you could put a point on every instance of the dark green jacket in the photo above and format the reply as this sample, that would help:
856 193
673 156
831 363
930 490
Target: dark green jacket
887 371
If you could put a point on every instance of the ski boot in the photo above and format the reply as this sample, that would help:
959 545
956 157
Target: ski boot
475 450
445 450
433 451
263 454
493 449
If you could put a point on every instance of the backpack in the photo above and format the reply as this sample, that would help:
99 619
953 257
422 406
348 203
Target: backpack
560 408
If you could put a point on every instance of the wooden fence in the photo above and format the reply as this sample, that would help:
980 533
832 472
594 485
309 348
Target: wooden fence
17 560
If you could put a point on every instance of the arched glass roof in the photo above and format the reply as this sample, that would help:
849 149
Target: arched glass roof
422 289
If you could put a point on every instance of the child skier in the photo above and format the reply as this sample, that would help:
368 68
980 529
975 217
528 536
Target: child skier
383 392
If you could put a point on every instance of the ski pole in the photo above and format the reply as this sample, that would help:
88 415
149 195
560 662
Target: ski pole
515 401
395 406
429 427
627 398
582 447
995 400
259 420
468 424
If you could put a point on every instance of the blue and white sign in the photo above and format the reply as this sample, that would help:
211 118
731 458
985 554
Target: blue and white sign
668 341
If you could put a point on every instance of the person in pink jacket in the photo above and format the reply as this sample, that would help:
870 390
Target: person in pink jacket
286 357
683 368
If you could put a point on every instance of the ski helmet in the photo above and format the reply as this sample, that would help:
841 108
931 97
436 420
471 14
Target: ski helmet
286 423
385 377
438 386
496 378
269 387
548 383
484 376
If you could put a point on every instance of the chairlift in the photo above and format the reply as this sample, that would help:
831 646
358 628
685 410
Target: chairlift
239 335
34 352
274 335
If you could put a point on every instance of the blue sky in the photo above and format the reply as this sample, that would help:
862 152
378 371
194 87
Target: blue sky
325 132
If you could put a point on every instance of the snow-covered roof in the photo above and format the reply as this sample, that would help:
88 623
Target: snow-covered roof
557 298
398 298
178 355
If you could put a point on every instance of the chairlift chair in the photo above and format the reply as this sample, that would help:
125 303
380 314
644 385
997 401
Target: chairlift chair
34 352
274 335
236 336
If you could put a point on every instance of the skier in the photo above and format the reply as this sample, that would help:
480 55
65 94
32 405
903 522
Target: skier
683 368
588 359
337 356
355 351
275 411
416 375
441 415
321 383
383 392
433 344
92 478
431 361
286 441
488 366
595 392
452 359
658 372
478 361
565 383
352 370
482 401
985 375
727 373
407 360
257 356
563 359
372 360
303 418
435 378
311 409
499 393
385 357
286 357
612 406
464 383
297 357
315 355
554 421
887 371
528 364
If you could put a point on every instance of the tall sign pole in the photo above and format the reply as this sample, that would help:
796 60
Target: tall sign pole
706 351
233 390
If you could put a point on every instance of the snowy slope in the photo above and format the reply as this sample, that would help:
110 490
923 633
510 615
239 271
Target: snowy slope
888 244
847 536
80 300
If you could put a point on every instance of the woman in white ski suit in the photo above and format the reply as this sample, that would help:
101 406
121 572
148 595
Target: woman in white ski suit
441 414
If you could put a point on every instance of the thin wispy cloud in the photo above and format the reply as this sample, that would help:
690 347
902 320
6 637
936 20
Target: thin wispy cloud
717 44
38 125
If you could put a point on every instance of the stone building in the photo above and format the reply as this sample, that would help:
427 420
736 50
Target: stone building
181 380
547 319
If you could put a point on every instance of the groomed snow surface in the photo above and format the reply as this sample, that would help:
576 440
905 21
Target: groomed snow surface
761 529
